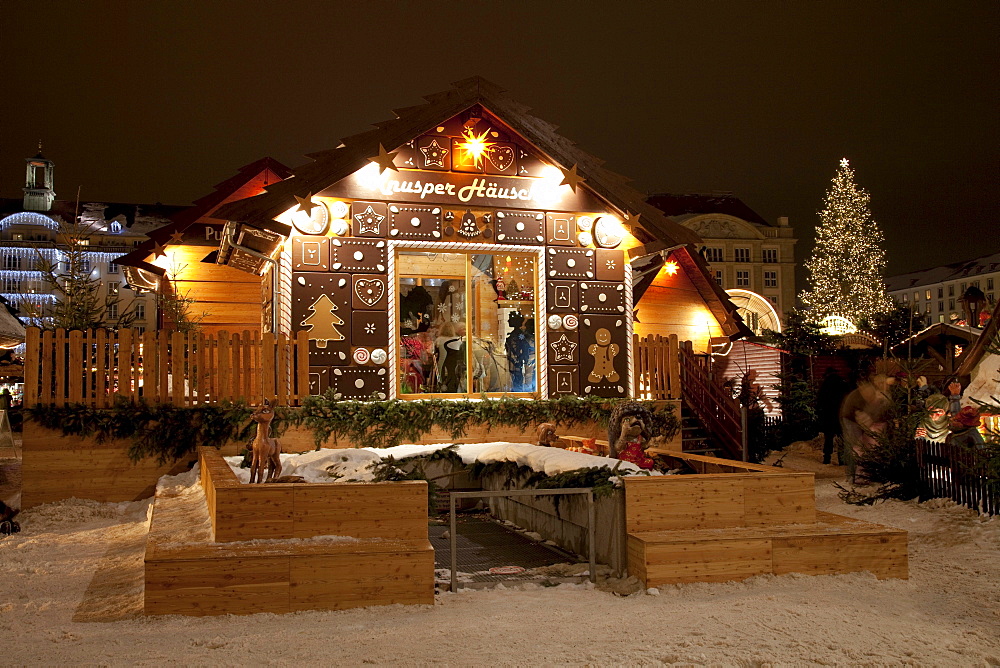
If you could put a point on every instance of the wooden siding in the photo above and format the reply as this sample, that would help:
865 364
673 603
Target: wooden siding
200 576
673 305
230 298
734 520
56 467
833 544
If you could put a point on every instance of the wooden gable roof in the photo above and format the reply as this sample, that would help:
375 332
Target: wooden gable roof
330 166
247 182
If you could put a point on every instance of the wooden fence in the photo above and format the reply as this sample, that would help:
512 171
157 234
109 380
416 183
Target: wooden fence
958 473
657 373
99 367
665 368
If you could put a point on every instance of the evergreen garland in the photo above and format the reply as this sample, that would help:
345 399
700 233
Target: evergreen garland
163 431
383 424
169 432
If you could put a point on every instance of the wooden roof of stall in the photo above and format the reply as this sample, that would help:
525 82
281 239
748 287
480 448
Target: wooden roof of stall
241 185
656 230
329 167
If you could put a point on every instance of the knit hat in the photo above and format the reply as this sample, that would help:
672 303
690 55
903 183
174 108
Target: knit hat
965 418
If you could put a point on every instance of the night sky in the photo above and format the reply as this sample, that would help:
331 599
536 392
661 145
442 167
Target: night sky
158 101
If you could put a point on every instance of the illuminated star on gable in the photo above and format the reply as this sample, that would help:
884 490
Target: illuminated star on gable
385 160
159 250
306 205
176 237
369 221
563 349
434 154
571 178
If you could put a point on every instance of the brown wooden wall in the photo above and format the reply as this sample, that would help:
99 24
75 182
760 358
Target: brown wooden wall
230 297
56 467
672 305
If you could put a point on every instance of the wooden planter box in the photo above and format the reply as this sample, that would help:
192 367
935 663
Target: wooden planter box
56 467
741 520
245 567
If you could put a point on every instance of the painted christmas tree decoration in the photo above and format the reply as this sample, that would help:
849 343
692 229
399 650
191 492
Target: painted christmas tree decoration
323 322
845 270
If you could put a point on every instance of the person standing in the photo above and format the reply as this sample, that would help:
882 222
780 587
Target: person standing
5 400
831 394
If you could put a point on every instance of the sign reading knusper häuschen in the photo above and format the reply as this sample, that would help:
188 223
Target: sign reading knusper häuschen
465 189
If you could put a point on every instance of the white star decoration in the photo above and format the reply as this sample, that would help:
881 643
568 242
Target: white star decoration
434 154
610 264
370 328
564 349
369 221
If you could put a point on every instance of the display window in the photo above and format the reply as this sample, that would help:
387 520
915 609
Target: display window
466 323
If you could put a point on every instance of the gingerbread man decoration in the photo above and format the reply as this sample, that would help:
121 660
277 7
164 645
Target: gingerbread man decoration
604 353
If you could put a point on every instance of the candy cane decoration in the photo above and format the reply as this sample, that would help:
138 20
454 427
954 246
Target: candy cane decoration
628 330
541 360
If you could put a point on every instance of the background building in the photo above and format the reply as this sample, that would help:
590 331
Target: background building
33 230
753 260
935 292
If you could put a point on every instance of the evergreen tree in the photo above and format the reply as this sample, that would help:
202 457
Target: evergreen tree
845 270
81 301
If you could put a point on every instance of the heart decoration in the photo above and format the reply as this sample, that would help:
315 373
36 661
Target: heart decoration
502 157
369 290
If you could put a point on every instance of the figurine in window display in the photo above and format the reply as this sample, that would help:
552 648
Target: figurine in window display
520 346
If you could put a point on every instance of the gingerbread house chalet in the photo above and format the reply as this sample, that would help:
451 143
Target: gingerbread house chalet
466 249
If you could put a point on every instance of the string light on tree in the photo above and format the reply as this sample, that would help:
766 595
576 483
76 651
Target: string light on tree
845 270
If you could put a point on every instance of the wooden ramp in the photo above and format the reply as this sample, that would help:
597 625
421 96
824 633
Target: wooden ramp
749 520
189 572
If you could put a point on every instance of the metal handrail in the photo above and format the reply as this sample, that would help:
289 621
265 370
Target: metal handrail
591 520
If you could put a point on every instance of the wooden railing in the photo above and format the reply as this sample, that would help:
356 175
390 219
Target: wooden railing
656 368
958 473
714 406
100 367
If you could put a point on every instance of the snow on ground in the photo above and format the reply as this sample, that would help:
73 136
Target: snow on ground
351 465
71 593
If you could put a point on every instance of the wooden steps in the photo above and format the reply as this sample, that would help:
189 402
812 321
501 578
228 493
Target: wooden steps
734 520
833 544
269 566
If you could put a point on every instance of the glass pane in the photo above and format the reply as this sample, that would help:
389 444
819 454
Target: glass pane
503 323
432 322
437 354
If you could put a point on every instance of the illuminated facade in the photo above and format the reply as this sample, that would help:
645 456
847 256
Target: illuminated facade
466 249
35 230
745 253
935 292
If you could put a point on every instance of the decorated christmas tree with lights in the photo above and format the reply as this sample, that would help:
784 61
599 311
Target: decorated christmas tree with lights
845 270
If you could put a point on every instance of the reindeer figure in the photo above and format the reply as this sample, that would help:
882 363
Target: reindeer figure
266 450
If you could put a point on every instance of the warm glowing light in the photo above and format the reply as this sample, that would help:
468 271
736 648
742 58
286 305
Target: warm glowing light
670 267
475 146
164 261
609 231
836 325
370 177
847 264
